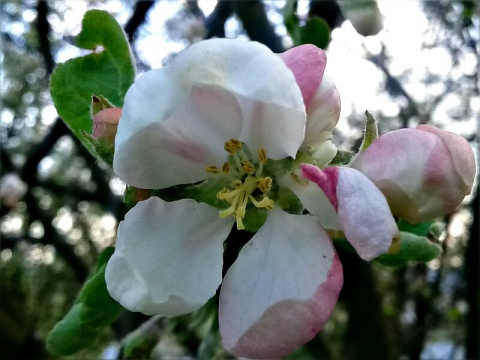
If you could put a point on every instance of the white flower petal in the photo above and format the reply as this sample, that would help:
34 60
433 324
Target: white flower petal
364 214
322 114
168 258
270 100
169 134
176 120
282 288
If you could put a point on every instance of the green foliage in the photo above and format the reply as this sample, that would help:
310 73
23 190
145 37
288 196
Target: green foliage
343 157
422 229
315 31
107 72
412 248
371 131
93 310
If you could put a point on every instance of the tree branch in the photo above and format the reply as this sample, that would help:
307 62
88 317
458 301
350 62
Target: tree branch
43 29
256 24
138 17
215 22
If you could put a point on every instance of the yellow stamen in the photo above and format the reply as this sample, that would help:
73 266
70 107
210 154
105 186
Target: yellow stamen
212 169
266 202
264 184
247 166
247 180
237 144
229 147
238 163
233 207
262 157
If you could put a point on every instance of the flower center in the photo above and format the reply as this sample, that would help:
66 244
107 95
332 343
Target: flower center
247 184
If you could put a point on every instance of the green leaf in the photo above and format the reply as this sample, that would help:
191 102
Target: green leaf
412 248
93 310
107 72
291 21
422 229
316 32
100 149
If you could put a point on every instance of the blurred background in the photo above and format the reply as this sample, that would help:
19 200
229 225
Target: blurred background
407 62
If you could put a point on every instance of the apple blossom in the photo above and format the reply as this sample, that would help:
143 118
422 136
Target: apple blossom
232 116
424 172
105 124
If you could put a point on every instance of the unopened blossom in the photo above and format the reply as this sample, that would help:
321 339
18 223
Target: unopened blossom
105 124
231 113
424 172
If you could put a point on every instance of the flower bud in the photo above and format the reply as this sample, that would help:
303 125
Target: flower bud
424 172
105 124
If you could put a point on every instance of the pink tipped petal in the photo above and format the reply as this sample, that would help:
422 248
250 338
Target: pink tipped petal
363 211
281 290
168 257
460 155
307 62
321 98
326 180
424 173
322 113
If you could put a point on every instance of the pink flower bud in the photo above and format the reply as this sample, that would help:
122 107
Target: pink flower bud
105 124
424 172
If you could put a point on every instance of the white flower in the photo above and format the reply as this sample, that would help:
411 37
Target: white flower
226 109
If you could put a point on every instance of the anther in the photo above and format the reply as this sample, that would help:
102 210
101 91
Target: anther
247 166
236 143
264 184
212 169
262 155
230 147
226 167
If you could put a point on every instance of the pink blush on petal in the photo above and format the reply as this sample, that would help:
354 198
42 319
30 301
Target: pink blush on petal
326 180
289 324
307 62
